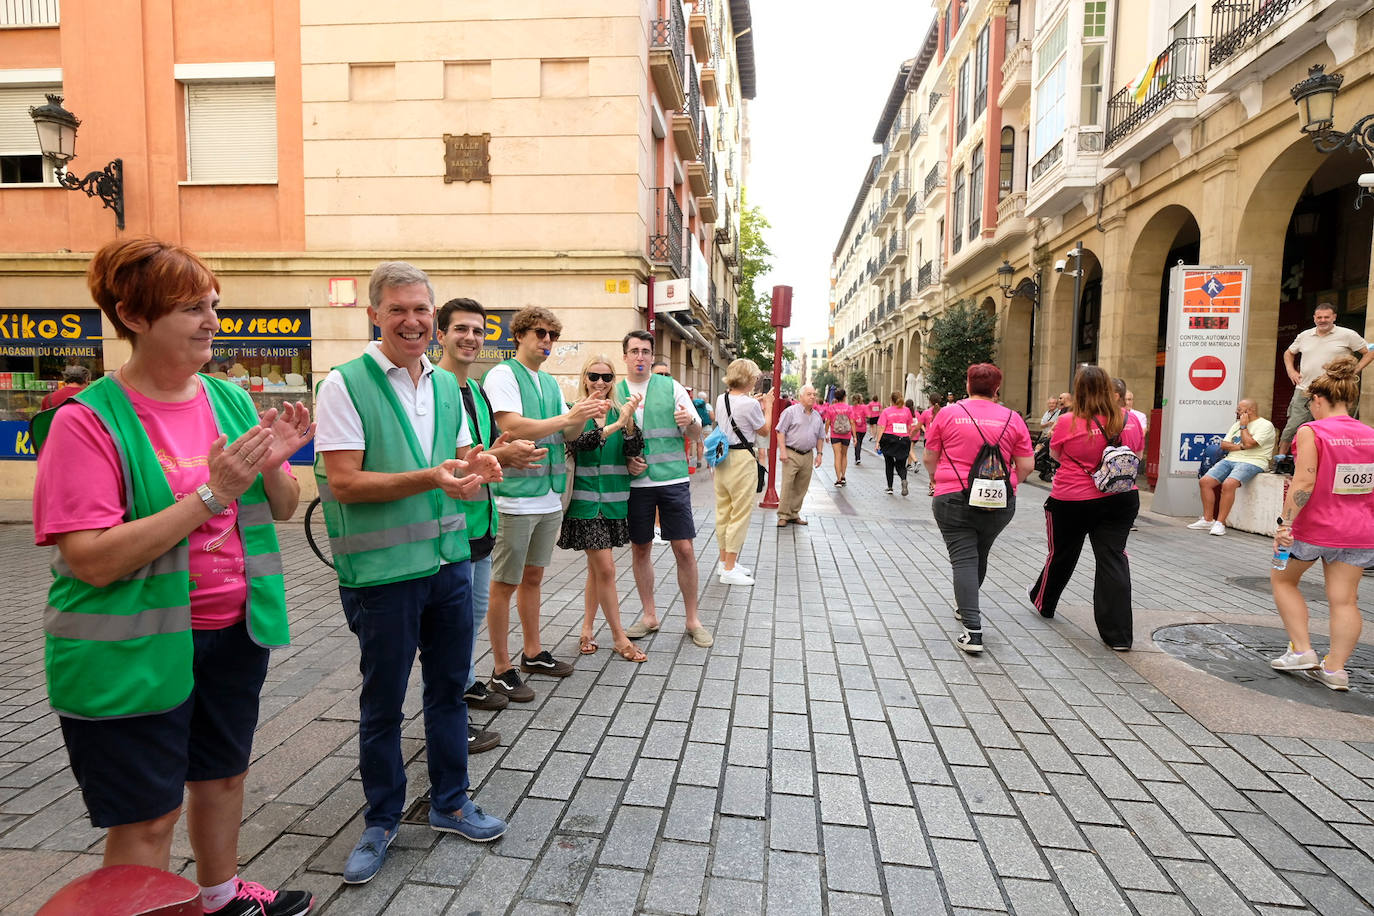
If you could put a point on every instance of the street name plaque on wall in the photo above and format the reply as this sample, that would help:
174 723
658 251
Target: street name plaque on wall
466 157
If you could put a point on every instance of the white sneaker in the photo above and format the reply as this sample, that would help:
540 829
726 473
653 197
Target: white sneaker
739 567
736 577
1218 529
1293 660
1200 525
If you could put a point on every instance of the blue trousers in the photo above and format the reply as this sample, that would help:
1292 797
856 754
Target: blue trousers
481 597
431 615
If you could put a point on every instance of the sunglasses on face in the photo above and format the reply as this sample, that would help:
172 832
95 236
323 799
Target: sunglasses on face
600 376
541 333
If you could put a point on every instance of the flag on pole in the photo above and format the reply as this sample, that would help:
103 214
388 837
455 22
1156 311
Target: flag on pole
1140 86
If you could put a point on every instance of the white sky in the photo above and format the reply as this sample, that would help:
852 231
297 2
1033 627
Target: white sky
823 79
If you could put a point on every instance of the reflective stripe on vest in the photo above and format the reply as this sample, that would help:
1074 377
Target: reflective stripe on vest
540 399
415 532
663 440
116 627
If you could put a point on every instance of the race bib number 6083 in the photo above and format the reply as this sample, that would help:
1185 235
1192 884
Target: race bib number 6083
1353 480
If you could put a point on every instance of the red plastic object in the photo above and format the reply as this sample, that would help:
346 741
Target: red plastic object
1152 448
126 890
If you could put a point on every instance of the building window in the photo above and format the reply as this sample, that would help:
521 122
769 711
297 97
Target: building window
975 193
29 12
961 101
231 132
1095 19
21 159
1012 27
939 238
956 240
980 75
1184 27
949 19
1006 165
1051 68
1090 110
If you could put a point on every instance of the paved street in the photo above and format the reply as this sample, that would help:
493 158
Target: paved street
832 753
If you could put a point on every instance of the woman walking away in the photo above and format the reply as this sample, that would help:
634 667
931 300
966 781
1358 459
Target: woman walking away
858 413
839 425
1328 515
895 422
917 431
167 591
975 486
742 414
595 522
1076 508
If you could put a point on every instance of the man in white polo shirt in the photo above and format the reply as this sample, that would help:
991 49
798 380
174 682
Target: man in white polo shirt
1316 348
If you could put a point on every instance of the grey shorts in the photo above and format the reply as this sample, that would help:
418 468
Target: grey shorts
1310 553
523 540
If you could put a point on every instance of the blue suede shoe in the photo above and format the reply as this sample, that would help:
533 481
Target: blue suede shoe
472 823
367 857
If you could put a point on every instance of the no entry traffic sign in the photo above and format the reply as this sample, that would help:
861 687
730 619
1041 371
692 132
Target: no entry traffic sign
1207 373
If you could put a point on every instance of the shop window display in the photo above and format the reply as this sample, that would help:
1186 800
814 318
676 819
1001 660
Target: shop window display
36 347
267 351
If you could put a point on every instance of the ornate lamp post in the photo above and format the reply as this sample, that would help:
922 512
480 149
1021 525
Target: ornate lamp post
1316 101
1029 289
57 138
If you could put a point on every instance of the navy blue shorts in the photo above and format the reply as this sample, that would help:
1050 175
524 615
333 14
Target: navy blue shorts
136 769
674 505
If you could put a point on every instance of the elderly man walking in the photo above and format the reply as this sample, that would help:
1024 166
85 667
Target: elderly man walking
801 429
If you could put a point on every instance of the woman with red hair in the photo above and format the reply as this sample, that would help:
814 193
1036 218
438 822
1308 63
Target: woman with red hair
167 585
974 503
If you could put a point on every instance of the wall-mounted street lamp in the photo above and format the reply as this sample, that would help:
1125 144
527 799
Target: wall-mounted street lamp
1030 289
1316 101
57 138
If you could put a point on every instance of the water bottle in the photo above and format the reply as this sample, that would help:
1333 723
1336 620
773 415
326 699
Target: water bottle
1280 553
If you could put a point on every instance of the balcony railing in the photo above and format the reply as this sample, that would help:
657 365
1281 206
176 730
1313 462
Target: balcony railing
891 303
906 289
934 101
693 106
1011 207
29 13
895 243
914 205
671 33
1178 76
1237 23
899 124
927 276
1048 161
935 178
665 240
920 126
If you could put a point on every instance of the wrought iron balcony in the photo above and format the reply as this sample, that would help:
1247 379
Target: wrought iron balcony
926 277
934 101
896 247
668 55
665 239
920 127
935 178
915 204
1048 161
1179 76
906 289
1238 23
897 136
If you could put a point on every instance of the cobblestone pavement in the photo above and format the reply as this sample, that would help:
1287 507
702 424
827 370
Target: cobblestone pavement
832 753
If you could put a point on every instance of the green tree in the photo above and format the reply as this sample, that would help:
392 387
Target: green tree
858 386
756 334
962 336
823 379
791 384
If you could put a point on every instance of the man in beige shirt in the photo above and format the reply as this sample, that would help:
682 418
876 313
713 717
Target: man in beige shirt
1316 347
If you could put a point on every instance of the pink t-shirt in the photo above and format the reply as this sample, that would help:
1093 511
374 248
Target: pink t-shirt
1080 444
830 412
80 487
954 435
1344 519
896 421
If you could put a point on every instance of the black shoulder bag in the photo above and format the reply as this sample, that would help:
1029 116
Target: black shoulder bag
763 472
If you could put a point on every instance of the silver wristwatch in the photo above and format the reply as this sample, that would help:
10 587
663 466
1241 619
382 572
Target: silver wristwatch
207 496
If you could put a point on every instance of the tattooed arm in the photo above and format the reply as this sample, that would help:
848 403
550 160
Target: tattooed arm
1304 474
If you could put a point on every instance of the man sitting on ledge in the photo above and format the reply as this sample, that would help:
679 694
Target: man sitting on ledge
1248 446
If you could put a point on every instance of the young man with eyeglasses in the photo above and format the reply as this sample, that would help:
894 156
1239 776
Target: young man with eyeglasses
662 485
528 405
462 327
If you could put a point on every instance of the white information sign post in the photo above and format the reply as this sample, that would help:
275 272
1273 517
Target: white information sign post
1204 362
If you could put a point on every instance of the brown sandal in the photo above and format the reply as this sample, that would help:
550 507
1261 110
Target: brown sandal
631 653
587 645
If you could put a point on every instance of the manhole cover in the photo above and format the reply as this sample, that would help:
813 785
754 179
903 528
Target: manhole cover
1312 591
1241 653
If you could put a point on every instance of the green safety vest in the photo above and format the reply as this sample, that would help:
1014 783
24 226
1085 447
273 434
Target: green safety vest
544 403
480 512
601 483
126 649
410 538
663 448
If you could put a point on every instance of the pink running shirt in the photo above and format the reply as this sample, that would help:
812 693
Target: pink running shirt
893 417
830 412
1080 444
181 434
1345 518
953 435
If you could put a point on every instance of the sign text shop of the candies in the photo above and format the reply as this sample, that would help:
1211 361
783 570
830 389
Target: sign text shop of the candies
43 327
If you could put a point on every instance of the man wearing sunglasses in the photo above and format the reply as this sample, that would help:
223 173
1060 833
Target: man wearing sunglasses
663 486
528 405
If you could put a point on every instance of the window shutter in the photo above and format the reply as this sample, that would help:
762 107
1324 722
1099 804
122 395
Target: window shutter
18 136
231 132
